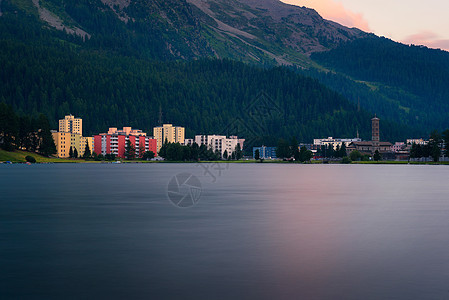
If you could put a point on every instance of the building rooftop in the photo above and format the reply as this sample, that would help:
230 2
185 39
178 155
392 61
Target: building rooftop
370 143
124 131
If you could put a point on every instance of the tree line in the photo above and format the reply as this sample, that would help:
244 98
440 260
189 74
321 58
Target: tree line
194 152
23 132
290 150
328 151
437 146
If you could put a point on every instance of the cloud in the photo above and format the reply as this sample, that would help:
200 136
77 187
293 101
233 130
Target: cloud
335 11
429 39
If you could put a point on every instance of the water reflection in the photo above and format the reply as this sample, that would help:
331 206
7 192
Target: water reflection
260 231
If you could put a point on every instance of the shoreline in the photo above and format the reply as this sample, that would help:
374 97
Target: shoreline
18 157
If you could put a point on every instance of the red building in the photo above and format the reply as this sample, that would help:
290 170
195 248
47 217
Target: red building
114 142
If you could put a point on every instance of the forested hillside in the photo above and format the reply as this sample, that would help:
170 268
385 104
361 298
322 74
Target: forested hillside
41 74
409 83
137 58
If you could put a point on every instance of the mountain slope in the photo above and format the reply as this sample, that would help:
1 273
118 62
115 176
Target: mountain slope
264 33
280 30
54 76
411 80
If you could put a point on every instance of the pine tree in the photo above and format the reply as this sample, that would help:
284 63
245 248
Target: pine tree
47 145
377 156
257 154
163 151
148 155
283 149
294 148
417 151
141 151
8 127
87 153
238 152
434 143
130 151
305 154
446 142
337 151
343 150
426 150
194 151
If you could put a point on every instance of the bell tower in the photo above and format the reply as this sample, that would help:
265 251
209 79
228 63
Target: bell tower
375 133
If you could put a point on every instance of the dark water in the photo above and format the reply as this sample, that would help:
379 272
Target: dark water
259 231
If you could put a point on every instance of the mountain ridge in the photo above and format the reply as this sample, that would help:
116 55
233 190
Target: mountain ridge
268 32
261 33
246 14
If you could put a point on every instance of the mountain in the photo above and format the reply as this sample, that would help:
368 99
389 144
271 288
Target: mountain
375 74
408 84
278 30
262 32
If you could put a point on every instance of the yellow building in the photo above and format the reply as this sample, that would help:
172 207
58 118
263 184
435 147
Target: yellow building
71 124
70 135
63 143
170 133
65 140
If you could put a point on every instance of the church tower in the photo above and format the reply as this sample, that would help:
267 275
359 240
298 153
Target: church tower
375 133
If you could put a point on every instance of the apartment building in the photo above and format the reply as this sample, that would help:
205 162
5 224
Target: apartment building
169 133
265 152
70 135
218 143
71 124
115 142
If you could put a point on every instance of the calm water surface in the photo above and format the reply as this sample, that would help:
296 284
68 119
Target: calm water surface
259 231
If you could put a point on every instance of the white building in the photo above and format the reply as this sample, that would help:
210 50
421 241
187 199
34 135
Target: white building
417 142
218 143
335 142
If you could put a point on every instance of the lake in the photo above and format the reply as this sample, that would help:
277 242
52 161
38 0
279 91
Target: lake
224 231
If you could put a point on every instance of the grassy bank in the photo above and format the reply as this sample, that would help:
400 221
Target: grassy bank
18 156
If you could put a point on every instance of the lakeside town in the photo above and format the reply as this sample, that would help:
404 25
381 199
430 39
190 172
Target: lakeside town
23 138
128 143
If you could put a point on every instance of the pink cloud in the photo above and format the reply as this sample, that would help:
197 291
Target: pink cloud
335 11
429 39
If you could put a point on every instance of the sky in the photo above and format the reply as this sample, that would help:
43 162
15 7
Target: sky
407 21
